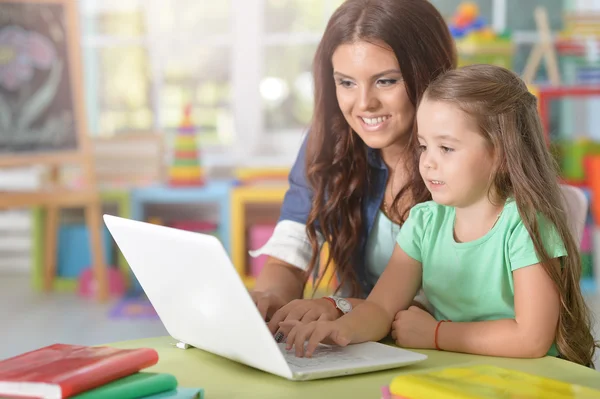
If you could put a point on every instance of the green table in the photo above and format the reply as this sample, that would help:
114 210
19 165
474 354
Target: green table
225 379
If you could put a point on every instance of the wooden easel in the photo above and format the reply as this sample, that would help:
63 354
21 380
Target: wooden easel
542 49
53 196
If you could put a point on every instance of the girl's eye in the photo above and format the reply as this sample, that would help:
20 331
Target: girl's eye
422 148
386 82
446 149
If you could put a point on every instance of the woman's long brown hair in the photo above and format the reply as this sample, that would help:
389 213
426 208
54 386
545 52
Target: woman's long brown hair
507 115
336 158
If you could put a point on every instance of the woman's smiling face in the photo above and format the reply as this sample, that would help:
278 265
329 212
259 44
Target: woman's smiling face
371 93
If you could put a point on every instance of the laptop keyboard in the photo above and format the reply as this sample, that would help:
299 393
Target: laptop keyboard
323 355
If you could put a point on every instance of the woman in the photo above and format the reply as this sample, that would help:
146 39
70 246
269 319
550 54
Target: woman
355 177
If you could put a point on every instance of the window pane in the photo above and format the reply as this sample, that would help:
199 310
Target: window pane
201 79
126 19
287 88
295 16
334 4
118 90
202 17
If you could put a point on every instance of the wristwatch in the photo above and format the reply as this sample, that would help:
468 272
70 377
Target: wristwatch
343 305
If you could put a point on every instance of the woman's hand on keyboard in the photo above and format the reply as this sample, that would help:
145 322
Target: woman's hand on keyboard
315 332
304 310
267 303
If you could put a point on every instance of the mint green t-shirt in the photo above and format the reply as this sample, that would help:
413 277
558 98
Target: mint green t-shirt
472 281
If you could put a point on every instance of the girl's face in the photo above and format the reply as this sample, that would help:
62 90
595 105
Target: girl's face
456 161
371 93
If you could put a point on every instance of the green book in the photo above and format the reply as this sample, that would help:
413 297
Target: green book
133 386
180 393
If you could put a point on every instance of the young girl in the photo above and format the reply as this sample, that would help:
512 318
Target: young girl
493 249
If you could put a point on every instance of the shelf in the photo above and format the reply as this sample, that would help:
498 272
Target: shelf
241 197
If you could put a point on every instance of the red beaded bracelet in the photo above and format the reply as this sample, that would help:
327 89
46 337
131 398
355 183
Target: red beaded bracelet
437 328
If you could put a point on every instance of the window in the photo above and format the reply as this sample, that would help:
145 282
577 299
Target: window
116 68
243 65
191 51
145 62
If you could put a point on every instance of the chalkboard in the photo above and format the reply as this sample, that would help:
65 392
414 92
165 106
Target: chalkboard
42 120
39 110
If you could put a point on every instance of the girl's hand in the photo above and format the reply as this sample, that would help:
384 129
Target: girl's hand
315 332
304 310
414 328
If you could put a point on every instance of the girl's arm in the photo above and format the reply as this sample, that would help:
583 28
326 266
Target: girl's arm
395 290
529 335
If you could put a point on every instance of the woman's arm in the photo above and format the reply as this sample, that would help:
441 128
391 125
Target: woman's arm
529 335
282 279
395 290
283 275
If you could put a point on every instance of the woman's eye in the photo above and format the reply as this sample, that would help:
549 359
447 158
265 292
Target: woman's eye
446 149
422 148
386 82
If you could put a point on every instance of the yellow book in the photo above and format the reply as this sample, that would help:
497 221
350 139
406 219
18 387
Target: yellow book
485 382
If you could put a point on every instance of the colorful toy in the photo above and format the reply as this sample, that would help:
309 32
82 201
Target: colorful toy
133 308
185 169
466 20
589 254
593 177
476 42
88 288
572 158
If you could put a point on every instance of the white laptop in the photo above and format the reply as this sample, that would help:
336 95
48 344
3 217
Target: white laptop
200 298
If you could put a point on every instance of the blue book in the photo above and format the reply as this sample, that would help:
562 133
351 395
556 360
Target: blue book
180 393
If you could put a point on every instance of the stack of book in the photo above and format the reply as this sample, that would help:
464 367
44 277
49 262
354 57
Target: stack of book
88 372
481 382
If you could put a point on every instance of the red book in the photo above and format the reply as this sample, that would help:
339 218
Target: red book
60 371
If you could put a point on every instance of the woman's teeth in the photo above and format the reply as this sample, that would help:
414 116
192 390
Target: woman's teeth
374 121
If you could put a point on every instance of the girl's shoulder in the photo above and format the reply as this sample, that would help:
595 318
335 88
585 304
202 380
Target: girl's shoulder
510 212
431 209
